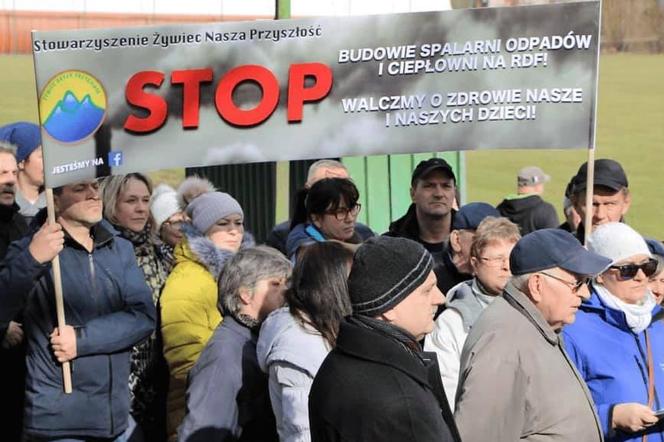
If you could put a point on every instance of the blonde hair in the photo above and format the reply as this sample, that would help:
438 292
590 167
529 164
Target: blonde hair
112 186
493 229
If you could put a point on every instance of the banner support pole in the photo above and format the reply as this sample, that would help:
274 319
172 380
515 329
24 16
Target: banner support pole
57 283
587 222
282 187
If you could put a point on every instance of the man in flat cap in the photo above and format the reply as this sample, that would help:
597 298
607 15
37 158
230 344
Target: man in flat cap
527 209
377 384
516 381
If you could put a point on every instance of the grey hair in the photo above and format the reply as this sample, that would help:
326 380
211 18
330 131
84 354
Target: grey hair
112 186
521 281
9 148
245 269
329 164
660 264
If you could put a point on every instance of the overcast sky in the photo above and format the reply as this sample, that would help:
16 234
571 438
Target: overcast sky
231 7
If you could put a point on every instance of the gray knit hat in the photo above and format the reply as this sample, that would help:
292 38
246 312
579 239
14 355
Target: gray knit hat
208 208
385 271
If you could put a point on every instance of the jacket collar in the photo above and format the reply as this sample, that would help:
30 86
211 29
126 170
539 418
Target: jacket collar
8 212
517 299
614 317
198 248
102 233
367 344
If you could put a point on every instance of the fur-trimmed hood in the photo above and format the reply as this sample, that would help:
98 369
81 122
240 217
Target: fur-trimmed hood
197 247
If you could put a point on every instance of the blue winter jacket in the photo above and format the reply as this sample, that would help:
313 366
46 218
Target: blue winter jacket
612 360
109 304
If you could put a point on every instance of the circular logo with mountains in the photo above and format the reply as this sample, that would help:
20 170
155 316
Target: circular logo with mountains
72 106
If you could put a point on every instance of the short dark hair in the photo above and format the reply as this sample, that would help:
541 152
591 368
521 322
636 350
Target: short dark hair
324 195
318 294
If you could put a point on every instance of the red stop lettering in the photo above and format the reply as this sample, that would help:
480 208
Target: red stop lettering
191 80
298 94
154 104
223 99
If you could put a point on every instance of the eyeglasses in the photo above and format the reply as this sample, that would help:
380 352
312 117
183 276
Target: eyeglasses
575 286
342 212
494 261
174 224
629 271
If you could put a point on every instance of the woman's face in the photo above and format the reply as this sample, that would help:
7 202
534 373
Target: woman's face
133 205
171 229
337 224
228 232
492 267
632 290
656 285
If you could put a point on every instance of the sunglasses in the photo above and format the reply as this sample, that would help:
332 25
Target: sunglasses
629 271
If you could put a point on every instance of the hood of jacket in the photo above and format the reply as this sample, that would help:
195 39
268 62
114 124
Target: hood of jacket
617 318
199 248
284 339
515 204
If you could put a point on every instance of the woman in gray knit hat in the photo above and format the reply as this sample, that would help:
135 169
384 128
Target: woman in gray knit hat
189 313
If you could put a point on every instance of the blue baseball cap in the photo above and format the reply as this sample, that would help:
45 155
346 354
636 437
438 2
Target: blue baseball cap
655 247
25 136
471 215
549 248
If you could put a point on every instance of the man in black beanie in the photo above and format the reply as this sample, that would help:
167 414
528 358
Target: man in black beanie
377 384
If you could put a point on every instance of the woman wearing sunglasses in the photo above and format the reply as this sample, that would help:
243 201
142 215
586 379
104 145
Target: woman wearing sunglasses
614 343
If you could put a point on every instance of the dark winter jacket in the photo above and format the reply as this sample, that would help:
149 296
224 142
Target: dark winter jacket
306 233
529 212
12 369
279 235
370 388
227 397
109 305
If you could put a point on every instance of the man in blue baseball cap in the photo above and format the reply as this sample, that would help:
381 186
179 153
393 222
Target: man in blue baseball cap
516 381
26 138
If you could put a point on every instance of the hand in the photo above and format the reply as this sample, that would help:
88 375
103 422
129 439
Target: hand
13 336
47 243
64 343
633 417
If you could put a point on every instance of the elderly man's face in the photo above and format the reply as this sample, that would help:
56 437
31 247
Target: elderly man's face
415 313
268 295
8 172
609 206
555 296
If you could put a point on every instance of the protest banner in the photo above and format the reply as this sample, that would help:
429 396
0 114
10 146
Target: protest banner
139 99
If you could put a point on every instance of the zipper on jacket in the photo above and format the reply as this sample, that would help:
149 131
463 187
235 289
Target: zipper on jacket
93 281
110 391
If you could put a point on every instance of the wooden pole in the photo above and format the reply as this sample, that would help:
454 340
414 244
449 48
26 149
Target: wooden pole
282 188
587 222
57 283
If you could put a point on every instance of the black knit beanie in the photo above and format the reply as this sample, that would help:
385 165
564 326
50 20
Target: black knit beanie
385 271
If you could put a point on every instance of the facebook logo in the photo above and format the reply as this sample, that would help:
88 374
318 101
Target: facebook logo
115 158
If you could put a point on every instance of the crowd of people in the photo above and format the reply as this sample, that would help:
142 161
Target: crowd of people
460 323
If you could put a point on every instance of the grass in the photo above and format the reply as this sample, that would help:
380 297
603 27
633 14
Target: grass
630 130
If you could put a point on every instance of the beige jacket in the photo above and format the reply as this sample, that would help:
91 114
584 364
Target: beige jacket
517 383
